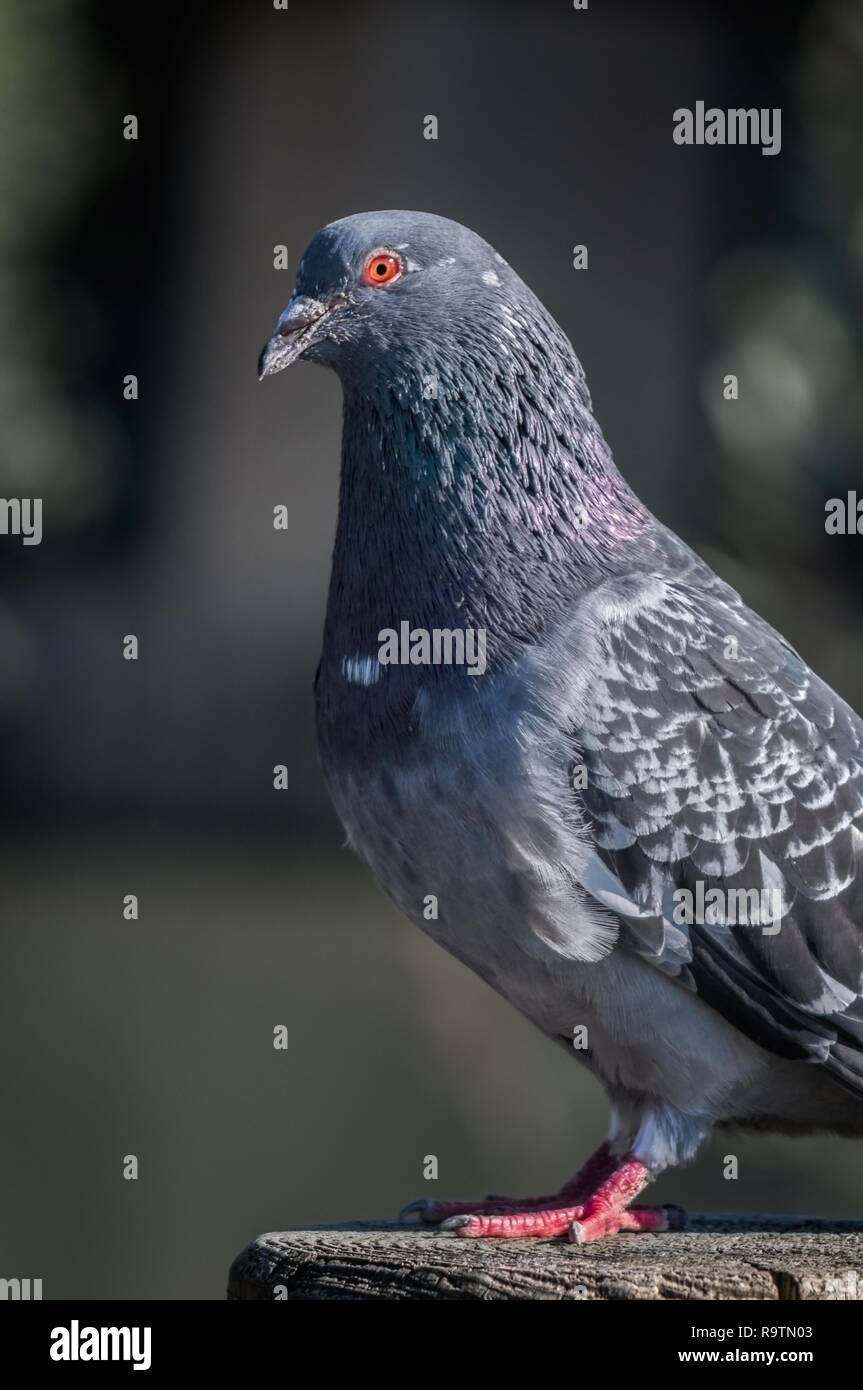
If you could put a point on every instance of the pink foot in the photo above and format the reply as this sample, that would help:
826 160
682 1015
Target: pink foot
597 1168
666 1218
556 1221
594 1204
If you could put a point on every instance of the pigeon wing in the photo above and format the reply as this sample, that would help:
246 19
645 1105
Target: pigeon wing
716 760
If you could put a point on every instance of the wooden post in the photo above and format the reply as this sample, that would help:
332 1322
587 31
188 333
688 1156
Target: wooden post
716 1257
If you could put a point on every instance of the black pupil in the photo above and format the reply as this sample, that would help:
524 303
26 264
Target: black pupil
380 268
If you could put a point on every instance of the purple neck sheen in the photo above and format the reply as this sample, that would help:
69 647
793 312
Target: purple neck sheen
477 491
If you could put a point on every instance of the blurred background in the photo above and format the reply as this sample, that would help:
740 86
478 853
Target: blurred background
155 257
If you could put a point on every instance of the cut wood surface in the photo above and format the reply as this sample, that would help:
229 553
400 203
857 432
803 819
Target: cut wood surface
716 1257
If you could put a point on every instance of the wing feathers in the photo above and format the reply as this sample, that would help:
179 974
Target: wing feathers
717 761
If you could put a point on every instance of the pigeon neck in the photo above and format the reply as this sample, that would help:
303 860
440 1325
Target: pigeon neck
452 517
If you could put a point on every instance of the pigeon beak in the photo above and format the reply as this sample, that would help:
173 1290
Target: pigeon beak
296 330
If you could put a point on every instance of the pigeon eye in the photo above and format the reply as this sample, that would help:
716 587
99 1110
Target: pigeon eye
382 268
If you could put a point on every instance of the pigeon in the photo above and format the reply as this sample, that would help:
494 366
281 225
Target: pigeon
565 747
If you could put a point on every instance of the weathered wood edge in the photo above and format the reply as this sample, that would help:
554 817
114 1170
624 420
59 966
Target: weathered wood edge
717 1257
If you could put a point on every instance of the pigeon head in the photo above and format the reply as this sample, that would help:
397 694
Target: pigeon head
385 292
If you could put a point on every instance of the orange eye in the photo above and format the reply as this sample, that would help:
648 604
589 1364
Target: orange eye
382 268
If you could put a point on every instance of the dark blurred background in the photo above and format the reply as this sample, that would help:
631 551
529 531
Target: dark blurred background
154 1037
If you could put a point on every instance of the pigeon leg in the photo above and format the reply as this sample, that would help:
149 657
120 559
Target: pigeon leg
608 1210
598 1167
604 1213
